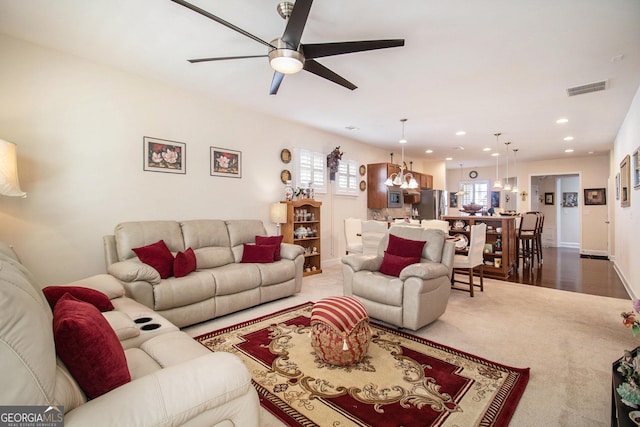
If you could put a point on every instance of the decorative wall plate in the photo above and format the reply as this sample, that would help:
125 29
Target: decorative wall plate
285 176
363 170
458 225
460 241
285 156
363 185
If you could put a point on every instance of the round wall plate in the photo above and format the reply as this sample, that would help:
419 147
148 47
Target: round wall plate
363 185
285 176
363 170
285 155
473 174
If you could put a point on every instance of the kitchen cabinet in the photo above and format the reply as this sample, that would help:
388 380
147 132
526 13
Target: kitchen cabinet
303 228
500 228
377 174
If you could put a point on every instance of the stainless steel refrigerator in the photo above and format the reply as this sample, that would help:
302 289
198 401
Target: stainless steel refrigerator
433 204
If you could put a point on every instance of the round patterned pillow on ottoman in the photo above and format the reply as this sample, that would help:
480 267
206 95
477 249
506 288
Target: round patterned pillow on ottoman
340 332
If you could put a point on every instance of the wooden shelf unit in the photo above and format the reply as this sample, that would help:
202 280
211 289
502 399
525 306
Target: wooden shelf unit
312 260
509 253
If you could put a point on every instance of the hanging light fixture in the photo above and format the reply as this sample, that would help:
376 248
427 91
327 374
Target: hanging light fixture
400 178
497 183
461 191
515 189
507 185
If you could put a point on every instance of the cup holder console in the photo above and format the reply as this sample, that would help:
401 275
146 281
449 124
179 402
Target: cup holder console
150 326
143 320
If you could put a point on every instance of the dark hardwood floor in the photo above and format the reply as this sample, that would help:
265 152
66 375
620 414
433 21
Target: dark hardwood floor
564 269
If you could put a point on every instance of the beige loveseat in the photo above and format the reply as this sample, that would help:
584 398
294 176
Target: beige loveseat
420 293
174 379
220 285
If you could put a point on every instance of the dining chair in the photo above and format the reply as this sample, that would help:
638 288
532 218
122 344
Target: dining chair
372 233
353 235
472 260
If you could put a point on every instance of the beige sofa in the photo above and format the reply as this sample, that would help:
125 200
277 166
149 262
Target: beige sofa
220 285
174 379
421 292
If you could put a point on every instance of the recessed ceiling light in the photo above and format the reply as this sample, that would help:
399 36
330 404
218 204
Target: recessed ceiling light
495 154
459 147
428 151
562 120
461 132
449 158
568 138
569 150
590 152
486 149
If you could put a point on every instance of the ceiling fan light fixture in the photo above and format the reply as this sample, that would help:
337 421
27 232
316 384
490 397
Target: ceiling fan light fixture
286 61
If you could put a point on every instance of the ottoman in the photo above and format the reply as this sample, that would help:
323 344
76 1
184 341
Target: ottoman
340 332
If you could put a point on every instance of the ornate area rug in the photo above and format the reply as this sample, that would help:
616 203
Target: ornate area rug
404 380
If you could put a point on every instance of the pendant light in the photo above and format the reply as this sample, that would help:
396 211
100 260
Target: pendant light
400 178
461 191
515 167
497 183
507 185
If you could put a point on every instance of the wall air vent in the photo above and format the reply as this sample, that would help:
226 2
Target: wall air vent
588 88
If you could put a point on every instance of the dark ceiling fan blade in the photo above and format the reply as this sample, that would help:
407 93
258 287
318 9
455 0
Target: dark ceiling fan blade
340 48
222 21
296 23
224 58
275 83
320 70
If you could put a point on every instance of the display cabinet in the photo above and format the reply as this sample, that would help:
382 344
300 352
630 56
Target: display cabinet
499 264
303 228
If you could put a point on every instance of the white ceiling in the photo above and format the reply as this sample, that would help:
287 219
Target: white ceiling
480 66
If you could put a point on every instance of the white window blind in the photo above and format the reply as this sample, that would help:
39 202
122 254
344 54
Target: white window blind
476 192
347 178
309 167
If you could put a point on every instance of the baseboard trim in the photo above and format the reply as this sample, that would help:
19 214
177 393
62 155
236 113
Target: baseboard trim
590 256
625 282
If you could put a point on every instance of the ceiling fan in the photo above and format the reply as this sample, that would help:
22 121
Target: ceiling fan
287 55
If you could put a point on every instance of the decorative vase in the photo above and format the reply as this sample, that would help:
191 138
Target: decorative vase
288 192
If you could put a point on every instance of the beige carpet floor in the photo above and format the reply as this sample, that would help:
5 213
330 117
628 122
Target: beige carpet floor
569 340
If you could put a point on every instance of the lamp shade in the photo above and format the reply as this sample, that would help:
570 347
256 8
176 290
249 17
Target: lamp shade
9 184
278 213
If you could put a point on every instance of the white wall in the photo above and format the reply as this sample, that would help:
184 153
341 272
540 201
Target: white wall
79 128
627 243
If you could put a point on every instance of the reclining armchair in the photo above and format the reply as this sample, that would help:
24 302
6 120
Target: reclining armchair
420 292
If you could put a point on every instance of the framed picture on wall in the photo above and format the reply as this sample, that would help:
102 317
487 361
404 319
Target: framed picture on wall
569 199
548 199
225 162
453 200
595 196
162 155
495 199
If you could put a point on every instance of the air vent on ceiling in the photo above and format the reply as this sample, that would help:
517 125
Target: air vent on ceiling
588 88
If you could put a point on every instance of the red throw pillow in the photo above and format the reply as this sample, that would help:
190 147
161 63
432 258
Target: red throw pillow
271 240
88 346
405 247
97 298
392 265
158 256
258 253
184 263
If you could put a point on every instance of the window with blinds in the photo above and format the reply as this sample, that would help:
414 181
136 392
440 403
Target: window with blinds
347 178
475 192
309 168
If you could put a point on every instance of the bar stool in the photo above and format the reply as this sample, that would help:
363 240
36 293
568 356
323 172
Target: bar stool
527 237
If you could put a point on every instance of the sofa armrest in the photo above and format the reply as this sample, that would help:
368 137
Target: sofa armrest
104 283
424 271
177 395
134 271
290 251
363 262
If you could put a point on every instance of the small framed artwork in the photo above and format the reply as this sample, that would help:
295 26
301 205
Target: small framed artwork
549 199
161 155
495 199
595 196
225 162
453 200
569 200
618 186
635 168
